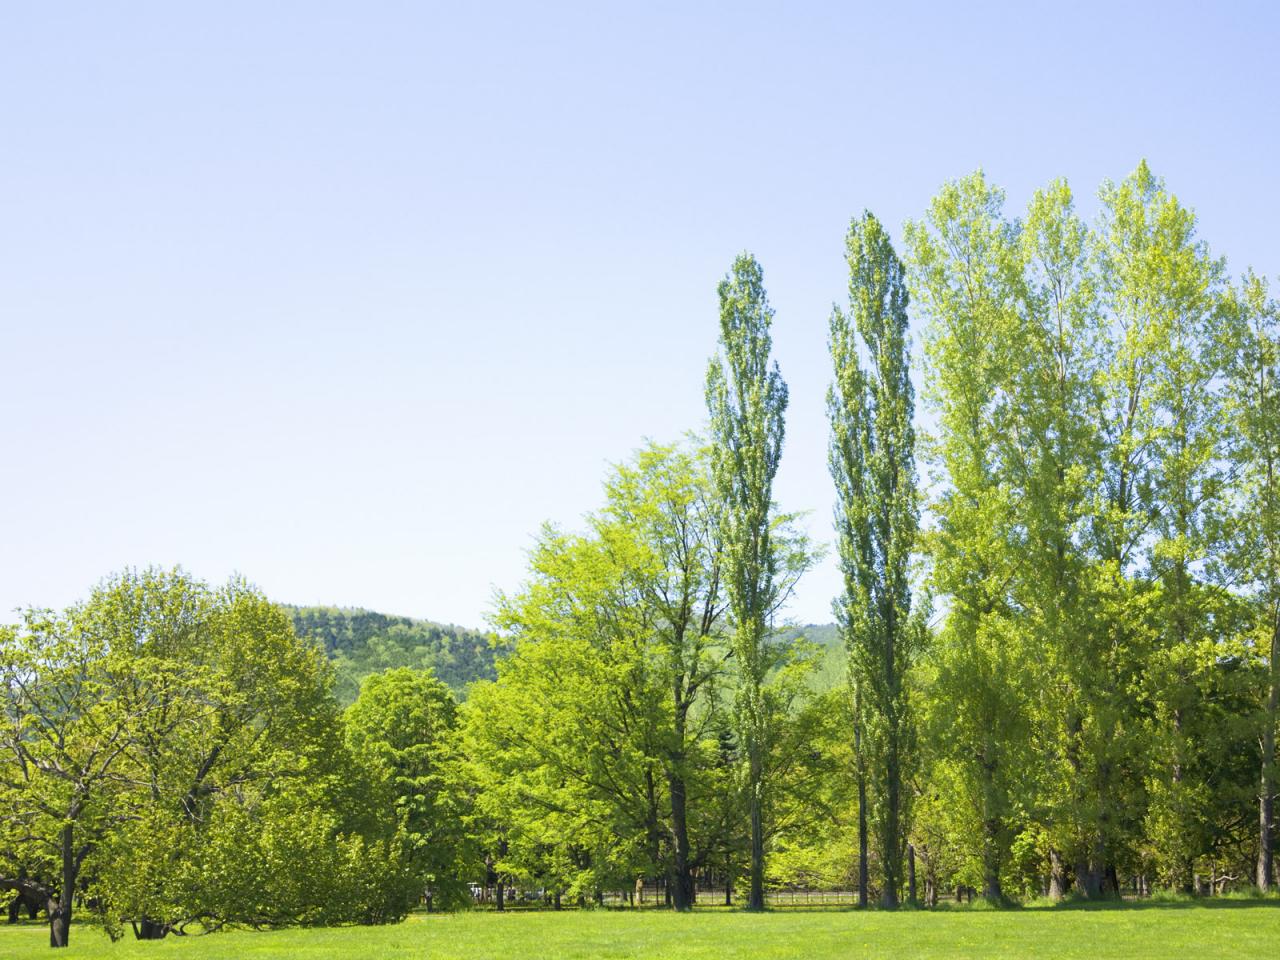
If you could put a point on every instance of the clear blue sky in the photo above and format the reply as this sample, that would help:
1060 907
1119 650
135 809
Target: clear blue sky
351 297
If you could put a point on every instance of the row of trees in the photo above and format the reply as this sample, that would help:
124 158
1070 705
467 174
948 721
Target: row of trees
1060 643
1102 690
1060 646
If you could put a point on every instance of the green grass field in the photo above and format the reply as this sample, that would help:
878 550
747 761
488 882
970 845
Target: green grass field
1234 929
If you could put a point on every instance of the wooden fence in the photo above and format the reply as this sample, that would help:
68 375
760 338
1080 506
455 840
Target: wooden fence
653 896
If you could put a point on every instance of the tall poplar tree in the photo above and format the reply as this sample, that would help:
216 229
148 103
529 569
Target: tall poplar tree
1254 408
872 461
747 402
967 280
1162 483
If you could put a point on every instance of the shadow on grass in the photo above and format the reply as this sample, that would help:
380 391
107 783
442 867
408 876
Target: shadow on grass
1229 902
1189 903
978 908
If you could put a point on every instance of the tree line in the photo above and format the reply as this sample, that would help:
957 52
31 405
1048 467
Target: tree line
1060 612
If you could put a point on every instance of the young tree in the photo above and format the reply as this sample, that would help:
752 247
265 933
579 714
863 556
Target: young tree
563 746
872 461
747 402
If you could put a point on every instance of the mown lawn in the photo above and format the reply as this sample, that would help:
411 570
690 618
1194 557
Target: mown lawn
1234 929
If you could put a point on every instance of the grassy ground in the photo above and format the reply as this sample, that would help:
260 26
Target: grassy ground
1234 929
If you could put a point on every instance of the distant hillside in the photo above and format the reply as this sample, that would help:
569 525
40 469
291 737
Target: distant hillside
827 636
823 634
362 642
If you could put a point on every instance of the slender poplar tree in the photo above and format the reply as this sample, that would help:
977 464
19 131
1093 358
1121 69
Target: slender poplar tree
872 460
747 401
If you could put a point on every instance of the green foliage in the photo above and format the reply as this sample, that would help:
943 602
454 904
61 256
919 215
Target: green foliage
169 747
403 728
1251 355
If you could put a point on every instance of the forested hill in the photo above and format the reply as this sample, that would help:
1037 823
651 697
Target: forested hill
823 634
362 642
831 670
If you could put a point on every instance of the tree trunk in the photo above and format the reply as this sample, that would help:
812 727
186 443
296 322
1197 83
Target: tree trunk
728 891
1266 814
891 852
991 891
930 879
1267 782
502 895
1057 875
59 923
60 909
755 899
911 874
682 873
862 825
1088 880
152 930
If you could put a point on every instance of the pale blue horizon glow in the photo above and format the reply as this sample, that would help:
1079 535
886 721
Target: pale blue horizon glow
350 298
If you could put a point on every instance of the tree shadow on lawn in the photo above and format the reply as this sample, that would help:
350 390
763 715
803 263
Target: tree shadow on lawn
980 909
1189 903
